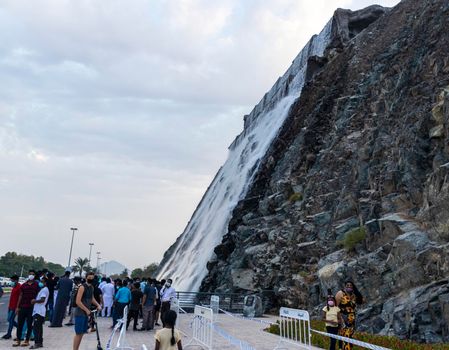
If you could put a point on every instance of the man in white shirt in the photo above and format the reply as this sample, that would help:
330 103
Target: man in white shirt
108 291
39 311
102 283
168 293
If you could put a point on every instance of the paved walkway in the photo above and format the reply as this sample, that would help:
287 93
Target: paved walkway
248 331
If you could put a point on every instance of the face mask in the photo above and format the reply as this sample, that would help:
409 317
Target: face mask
31 277
41 285
13 284
90 281
349 290
168 284
330 303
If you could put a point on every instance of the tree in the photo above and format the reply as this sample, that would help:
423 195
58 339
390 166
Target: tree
137 273
13 263
150 270
82 264
124 274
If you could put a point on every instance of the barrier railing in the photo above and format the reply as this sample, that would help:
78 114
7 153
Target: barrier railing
122 344
231 302
202 328
352 341
294 328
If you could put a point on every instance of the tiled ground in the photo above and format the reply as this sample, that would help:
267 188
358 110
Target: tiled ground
248 331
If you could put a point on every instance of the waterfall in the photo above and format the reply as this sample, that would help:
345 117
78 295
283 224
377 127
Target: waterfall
186 261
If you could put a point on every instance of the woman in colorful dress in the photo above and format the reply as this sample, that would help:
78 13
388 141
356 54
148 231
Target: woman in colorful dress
347 300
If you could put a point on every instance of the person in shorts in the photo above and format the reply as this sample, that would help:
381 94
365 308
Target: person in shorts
84 300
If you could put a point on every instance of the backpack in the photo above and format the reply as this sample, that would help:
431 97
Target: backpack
74 293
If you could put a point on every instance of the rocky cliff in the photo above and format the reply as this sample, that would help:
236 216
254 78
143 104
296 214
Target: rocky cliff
355 185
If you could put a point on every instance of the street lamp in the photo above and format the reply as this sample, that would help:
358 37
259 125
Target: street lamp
71 245
98 258
90 253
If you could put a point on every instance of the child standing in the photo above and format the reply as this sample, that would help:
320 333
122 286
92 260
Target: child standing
168 338
332 316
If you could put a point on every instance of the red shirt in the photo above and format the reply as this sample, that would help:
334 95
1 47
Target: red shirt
14 297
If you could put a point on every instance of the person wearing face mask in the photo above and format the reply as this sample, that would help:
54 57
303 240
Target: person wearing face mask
347 300
13 300
24 310
168 293
84 300
39 311
332 316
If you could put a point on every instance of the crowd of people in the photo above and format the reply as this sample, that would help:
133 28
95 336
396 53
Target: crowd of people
44 296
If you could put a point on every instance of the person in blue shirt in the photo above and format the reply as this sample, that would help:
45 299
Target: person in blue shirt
122 299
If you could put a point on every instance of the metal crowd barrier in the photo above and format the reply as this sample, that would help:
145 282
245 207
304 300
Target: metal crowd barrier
294 328
122 344
202 328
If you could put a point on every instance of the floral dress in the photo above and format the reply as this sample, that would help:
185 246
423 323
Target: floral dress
347 308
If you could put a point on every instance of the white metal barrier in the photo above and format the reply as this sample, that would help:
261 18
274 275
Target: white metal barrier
122 344
294 328
202 328
215 306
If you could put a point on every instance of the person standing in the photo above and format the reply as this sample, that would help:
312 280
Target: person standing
39 312
98 295
168 338
12 306
108 297
157 307
136 298
148 302
24 310
65 286
122 299
168 293
51 290
84 299
347 300
332 316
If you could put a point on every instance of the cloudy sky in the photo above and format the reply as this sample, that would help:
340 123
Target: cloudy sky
115 115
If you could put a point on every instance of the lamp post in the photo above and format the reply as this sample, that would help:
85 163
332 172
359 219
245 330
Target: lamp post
98 259
71 245
90 253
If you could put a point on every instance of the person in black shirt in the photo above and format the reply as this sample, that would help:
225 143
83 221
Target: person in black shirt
98 295
136 298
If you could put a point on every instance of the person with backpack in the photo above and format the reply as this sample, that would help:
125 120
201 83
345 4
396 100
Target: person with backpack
168 338
84 299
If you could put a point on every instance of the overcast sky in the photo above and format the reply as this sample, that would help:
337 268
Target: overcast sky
116 115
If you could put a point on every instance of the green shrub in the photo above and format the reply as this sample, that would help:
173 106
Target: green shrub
295 197
353 237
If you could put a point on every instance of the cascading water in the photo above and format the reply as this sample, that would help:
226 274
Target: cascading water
186 260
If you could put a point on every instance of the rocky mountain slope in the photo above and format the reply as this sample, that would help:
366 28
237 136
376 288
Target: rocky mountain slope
356 186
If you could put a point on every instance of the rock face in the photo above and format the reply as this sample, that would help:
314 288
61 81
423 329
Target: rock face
356 184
